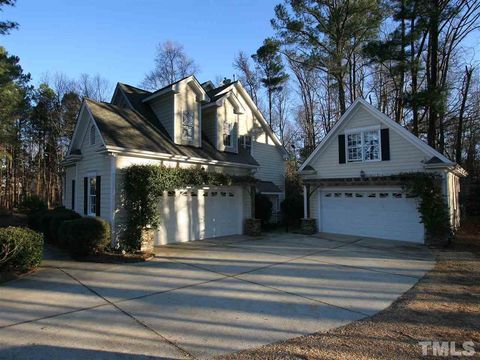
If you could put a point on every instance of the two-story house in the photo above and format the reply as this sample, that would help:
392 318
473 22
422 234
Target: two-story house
353 179
184 124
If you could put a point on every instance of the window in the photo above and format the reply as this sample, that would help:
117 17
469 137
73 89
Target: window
383 195
92 195
188 126
246 142
348 195
92 135
354 146
227 134
363 145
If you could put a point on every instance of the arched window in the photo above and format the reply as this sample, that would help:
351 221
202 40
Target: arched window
92 135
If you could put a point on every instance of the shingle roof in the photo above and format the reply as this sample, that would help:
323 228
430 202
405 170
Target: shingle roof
267 187
139 129
214 94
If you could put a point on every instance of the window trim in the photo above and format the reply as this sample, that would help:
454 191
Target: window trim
89 195
362 131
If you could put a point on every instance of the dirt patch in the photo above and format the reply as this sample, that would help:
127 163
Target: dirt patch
443 306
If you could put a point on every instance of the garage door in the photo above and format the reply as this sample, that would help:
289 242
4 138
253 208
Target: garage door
195 214
383 214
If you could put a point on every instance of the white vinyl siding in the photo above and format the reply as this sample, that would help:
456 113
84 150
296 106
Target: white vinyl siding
186 101
92 162
272 165
209 126
404 157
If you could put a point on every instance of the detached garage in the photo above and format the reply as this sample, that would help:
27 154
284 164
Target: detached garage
353 179
371 212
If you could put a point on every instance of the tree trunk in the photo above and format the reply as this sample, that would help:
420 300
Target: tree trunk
432 74
458 143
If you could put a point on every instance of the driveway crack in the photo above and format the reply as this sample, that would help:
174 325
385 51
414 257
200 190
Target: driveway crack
138 321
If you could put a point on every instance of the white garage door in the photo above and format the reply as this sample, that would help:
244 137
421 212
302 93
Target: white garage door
196 214
386 214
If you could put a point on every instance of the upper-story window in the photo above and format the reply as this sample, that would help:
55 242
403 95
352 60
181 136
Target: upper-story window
363 145
227 134
246 142
92 135
188 122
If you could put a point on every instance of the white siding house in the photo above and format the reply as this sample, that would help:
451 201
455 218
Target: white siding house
180 125
350 183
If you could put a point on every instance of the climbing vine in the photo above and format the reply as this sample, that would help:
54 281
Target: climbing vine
432 207
143 186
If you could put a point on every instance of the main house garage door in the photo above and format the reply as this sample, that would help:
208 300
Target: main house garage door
386 214
195 214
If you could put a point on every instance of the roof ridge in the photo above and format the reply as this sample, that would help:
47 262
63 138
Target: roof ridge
135 87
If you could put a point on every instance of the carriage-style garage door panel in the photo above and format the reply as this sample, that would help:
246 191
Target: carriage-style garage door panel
195 214
377 213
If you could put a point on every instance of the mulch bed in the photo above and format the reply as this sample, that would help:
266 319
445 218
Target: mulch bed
113 257
443 306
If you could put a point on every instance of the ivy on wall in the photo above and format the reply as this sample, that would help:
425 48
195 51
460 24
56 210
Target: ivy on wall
144 185
432 206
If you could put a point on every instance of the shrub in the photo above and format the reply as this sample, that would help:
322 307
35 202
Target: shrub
263 208
20 249
85 236
55 220
292 209
31 204
35 219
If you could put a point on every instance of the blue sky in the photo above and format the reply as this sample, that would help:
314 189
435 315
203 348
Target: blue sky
117 39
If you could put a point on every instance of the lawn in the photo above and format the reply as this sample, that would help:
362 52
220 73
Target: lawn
442 306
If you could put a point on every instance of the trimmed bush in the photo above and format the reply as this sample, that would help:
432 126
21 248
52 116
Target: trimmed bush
21 249
85 236
54 221
31 204
35 219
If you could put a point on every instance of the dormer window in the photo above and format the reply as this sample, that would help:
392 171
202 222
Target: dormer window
227 134
188 127
92 135
246 142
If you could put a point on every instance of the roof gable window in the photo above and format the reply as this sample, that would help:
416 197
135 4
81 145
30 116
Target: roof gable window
92 135
363 145
227 134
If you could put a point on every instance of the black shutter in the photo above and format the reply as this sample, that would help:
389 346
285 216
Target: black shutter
385 141
73 194
98 186
85 195
341 149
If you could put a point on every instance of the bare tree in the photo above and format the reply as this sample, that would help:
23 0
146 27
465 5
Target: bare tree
94 87
248 75
171 64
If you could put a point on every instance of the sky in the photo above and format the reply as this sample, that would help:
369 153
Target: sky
117 38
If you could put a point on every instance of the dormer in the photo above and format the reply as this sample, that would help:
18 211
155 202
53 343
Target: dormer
222 119
178 108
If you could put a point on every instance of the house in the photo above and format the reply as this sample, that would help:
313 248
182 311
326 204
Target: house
352 182
184 124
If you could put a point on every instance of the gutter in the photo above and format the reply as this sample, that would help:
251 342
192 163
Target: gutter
182 158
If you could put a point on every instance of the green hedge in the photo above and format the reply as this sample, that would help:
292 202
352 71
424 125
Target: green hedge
21 249
85 236
48 222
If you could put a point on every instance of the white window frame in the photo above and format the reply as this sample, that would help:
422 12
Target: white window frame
362 132
90 195
228 128
188 139
93 135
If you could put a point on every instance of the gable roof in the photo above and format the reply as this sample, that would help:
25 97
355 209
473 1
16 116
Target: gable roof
400 130
128 129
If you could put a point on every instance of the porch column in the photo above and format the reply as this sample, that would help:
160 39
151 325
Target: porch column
253 189
305 202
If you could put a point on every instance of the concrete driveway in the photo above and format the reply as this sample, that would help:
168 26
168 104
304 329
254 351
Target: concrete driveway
204 298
